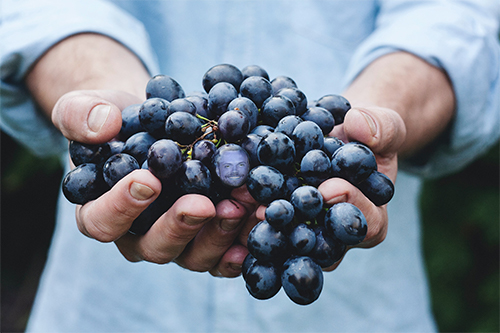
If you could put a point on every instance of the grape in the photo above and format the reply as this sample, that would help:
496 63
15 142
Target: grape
275 108
250 144
331 144
307 136
378 188
231 165
346 222
233 126
204 150
267 244
307 202
281 82
201 105
353 162
83 184
222 73
254 70
276 150
130 121
138 145
302 280
321 117
265 184
164 158
302 239
327 250
257 89
181 104
193 177
88 153
262 130
297 97
152 115
183 128
262 280
315 167
287 124
117 167
220 96
163 86
337 105
116 147
279 214
246 106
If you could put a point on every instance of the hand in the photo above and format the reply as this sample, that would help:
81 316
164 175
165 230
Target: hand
193 232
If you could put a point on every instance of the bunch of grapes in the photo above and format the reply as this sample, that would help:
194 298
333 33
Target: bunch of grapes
244 129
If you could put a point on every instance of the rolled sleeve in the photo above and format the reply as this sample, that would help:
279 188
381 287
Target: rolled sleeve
462 38
28 29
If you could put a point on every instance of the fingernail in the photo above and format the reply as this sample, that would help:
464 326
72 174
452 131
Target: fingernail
193 220
229 224
336 200
371 123
98 116
140 191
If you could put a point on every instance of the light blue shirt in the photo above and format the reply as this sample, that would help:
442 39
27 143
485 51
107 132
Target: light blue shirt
89 287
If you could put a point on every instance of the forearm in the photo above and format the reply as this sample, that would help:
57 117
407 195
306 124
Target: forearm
85 61
419 92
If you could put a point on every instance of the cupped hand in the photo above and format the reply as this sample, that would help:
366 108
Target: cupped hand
193 232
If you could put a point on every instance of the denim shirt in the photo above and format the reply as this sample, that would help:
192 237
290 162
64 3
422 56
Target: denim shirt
89 287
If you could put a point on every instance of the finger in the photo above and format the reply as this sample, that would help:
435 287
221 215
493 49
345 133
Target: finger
170 234
91 116
230 264
337 190
111 215
213 240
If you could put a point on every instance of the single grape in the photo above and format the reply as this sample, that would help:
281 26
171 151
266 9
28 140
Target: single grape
262 130
321 117
331 144
163 86
297 97
130 122
257 89
263 280
276 150
337 105
327 250
201 105
89 153
307 202
254 70
265 184
193 177
204 150
267 244
281 82
152 115
315 167
287 124
220 96
378 188
250 144
279 214
275 108
117 167
181 104
116 147
233 126
222 73
164 158
83 184
347 223
138 145
353 162
302 280
246 106
307 136
291 184
302 239
183 128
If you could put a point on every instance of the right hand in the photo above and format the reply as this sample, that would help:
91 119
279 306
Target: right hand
193 233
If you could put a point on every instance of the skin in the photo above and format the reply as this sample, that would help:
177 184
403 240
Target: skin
400 104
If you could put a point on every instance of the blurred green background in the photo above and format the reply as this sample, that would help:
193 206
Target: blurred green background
461 238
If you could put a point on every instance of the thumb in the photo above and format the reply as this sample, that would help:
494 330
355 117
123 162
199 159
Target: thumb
91 116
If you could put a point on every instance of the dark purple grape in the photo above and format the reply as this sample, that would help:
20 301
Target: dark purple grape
183 128
262 130
353 162
327 250
233 126
302 280
287 124
265 184
163 86
193 177
248 262
152 116
321 117
222 73
275 108
219 98
281 82
138 145
279 214
117 167
254 70
297 97
204 150
83 184
201 105
116 147
89 153
378 188
257 89
250 144
181 104
246 106
164 158
291 184
315 167
267 244
302 239
263 280
231 165
347 223
276 150
331 144
130 122
337 105
307 202
307 136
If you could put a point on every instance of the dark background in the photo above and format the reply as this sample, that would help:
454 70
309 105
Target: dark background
460 227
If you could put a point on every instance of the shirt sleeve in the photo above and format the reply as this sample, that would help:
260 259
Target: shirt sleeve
460 37
28 29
